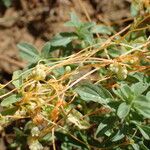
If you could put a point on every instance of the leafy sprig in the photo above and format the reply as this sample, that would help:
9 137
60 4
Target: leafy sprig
86 99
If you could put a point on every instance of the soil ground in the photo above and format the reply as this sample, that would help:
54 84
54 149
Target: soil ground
36 21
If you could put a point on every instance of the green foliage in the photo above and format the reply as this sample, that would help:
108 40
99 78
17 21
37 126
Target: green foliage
102 29
138 6
82 30
142 105
46 50
90 92
28 52
7 3
62 39
10 100
123 110
96 99
135 7
17 79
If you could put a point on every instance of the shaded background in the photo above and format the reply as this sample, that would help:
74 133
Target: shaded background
36 21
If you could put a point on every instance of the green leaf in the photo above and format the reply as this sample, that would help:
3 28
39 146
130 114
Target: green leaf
17 79
139 146
101 127
138 75
9 111
90 92
66 146
139 88
146 128
123 110
148 95
105 126
10 100
102 29
142 105
74 22
104 92
19 133
86 36
145 135
142 146
136 146
84 33
67 51
47 138
28 52
60 40
145 113
134 8
58 71
86 27
119 135
7 3
114 52
125 93
45 52
83 30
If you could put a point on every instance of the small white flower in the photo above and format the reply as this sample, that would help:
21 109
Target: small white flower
114 68
132 61
125 71
32 106
21 112
79 106
36 145
39 72
122 73
35 131
119 70
68 69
